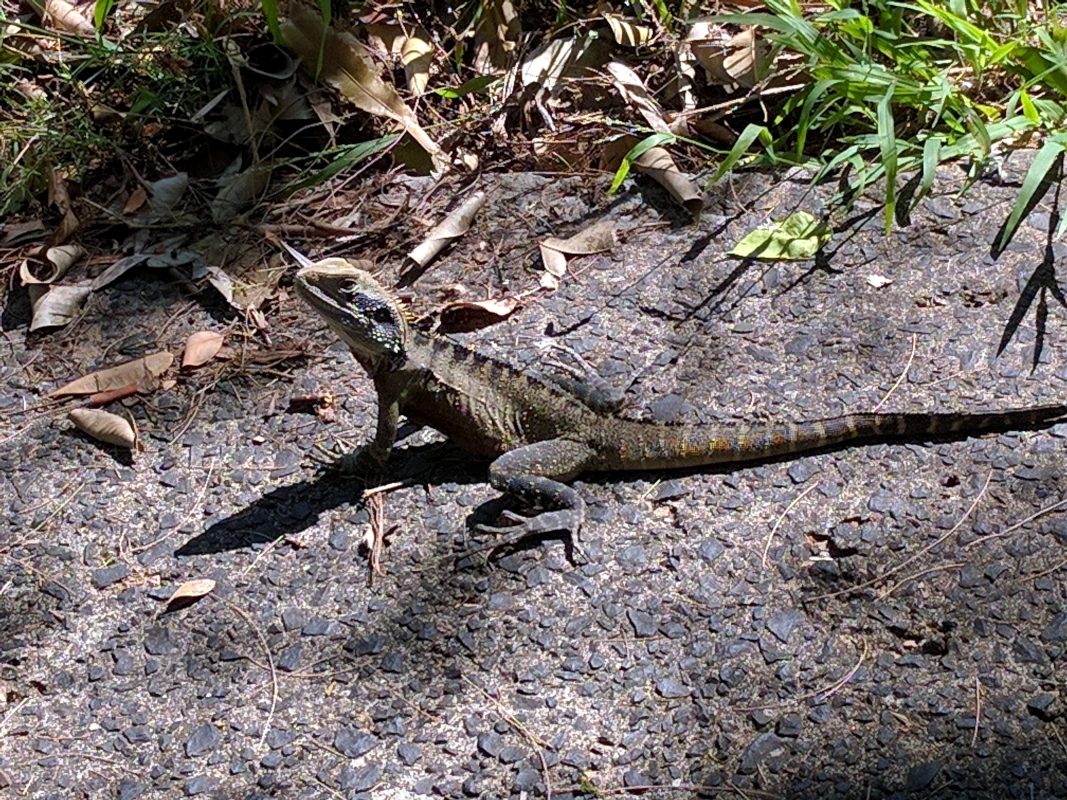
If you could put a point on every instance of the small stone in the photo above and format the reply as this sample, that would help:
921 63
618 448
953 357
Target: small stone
354 743
317 627
922 775
205 739
672 687
633 558
392 662
293 619
788 726
130 790
365 645
135 734
408 753
512 753
158 641
199 785
643 622
1042 705
360 780
526 780
711 550
782 623
289 660
102 578
490 743
764 749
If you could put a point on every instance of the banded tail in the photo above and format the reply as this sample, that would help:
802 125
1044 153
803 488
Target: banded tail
638 445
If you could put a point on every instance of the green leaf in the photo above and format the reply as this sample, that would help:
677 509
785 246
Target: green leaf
638 150
1029 109
887 139
744 141
1045 160
270 12
348 157
798 237
100 12
931 154
478 84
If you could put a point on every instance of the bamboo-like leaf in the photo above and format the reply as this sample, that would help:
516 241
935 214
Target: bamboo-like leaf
744 141
888 141
638 150
270 12
931 152
1046 159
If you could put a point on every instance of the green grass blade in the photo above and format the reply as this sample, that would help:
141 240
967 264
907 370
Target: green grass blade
888 145
931 154
100 12
347 157
744 141
638 150
1046 159
270 13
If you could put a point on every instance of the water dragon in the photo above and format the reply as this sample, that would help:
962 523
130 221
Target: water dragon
541 435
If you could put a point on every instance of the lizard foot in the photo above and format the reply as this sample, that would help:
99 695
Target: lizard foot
567 521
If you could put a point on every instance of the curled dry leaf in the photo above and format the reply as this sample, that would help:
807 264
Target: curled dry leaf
657 163
131 372
68 19
201 347
634 92
56 305
60 259
189 593
416 55
627 32
451 227
58 196
742 59
597 238
472 315
104 426
348 66
137 199
163 198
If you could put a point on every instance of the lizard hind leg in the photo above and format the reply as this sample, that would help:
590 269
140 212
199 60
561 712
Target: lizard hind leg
535 474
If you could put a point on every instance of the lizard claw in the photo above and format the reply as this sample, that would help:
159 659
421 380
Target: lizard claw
568 521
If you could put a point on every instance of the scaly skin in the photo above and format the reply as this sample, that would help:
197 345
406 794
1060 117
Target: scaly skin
541 435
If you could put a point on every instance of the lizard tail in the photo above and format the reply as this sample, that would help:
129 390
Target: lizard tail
650 446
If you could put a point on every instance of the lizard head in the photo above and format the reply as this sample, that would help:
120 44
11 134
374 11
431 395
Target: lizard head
358 309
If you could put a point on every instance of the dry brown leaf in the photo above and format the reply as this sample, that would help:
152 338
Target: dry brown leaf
657 163
201 347
135 200
471 315
104 426
68 19
597 238
56 305
416 55
348 67
628 33
22 232
243 190
147 367
60 260
189 593
58 196
743 59
118 269
451 227
496 38
633 91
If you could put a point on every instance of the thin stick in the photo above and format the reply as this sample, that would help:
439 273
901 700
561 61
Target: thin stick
903 374
918 555
1019 524
198 503
977 710
538 744
270 663
778 523
939 568
834 688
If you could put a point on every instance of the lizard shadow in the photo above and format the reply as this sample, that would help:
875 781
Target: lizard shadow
291 509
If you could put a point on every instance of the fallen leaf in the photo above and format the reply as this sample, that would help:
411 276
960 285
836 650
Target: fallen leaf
564 58
633 91
799 236
150 366
104 426
57 306
348 66
743 59
496 37
163 198
116 270
21 232
60 198
471 315
68 19
135 200
201 347
629 33
60 259
658 164
597 238
242 191
451 227
416 55
878 281
189 593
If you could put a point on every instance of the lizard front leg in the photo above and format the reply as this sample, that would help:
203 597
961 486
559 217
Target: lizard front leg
373 455
535 472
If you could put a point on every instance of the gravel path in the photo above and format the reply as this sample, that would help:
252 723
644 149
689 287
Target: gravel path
880 621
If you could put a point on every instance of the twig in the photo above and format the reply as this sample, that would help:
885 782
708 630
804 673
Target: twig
376 508
918 555
270 664
11 713
939 568
1018 525
833 689
196 504
538 744
778 522
977 710
904 372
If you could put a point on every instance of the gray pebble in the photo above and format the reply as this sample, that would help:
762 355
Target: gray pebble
104 577
643 622
354 743
205 739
